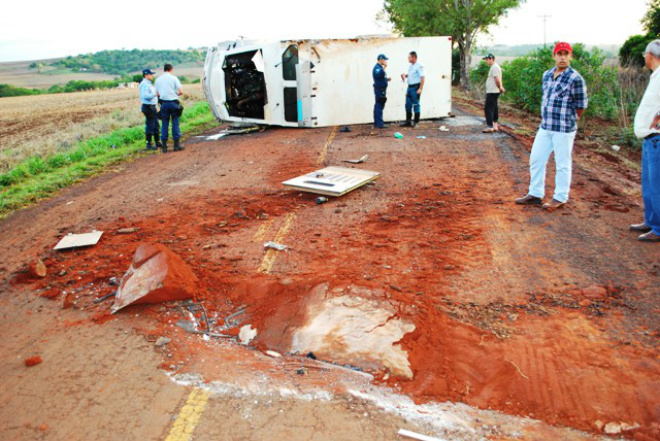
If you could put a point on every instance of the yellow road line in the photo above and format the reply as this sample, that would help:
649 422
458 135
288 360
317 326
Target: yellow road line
271 255
191 413
263 229
324 150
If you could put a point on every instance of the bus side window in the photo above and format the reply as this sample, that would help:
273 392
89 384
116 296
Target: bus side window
289 62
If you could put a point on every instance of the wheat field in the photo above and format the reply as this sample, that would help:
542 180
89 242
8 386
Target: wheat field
41 125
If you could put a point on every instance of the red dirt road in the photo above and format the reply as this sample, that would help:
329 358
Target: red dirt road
548 315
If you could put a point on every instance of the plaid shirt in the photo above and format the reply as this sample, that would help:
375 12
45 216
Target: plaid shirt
562 96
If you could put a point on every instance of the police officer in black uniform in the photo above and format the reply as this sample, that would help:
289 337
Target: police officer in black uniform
380 90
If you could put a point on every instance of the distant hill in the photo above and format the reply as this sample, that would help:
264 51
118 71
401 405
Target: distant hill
122 62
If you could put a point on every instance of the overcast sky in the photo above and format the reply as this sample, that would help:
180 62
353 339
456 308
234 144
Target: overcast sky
38 29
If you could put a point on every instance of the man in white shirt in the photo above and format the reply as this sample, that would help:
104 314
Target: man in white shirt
416 78
493 89
647 120
168 88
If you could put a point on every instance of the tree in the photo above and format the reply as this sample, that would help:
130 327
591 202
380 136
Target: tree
651 20
632 51
461 19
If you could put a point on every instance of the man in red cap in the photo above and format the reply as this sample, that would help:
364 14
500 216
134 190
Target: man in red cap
564 101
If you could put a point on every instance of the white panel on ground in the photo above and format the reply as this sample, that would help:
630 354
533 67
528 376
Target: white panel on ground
332 181
78 240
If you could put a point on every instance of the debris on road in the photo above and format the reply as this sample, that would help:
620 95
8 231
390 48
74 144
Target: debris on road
78 240
156 275
162 341
332 181
345 129
276 246
398 135
616 148
105 297
247 334
409 434
127 230
33 361
321 200
443 129
357 161
273 354
190 327
37 269
421 137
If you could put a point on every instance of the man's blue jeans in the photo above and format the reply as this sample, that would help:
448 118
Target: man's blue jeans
412 99
168 109
379 106
651 182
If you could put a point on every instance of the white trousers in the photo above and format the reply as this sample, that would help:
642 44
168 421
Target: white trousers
545 143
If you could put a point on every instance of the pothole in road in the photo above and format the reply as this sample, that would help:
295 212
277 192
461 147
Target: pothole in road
348 326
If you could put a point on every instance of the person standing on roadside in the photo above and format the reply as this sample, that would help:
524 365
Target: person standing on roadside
647 127
168 88
416 78
493 89
564 102
380 90
149 99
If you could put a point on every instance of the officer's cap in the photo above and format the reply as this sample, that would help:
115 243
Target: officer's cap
148 72
382 57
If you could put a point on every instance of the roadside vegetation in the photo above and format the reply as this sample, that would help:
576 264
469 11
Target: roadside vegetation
34 168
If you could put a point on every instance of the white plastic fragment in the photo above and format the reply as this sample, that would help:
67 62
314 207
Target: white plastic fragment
275 246
247 334
413 435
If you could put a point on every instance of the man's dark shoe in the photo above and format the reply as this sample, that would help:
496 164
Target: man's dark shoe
641 228
384 126
408 122
553 205
416 122
649 237
529 200
150 146
177 146
159 144
163 148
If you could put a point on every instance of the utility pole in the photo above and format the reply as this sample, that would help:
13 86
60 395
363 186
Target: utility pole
545 18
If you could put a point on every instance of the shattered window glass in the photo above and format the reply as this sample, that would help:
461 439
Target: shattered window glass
289 62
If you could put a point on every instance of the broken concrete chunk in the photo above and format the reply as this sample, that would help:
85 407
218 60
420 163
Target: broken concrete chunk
162 341
37 269
612 428
247 334
156 275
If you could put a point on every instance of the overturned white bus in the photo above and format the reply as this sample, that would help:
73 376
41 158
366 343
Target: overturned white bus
317 83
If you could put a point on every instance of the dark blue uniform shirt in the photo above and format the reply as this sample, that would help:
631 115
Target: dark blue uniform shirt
380 78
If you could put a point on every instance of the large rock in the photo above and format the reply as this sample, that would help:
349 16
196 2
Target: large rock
156 275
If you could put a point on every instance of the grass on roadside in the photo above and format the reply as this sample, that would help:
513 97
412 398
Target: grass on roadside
38 177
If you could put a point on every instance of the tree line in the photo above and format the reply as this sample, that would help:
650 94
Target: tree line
122 62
